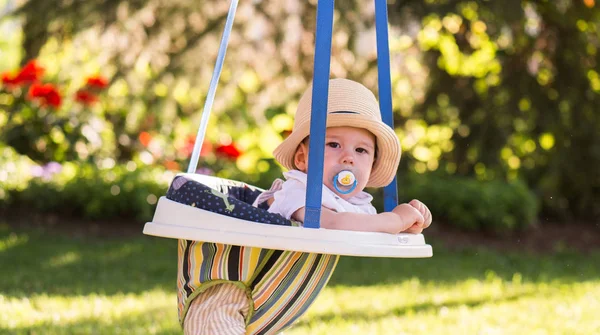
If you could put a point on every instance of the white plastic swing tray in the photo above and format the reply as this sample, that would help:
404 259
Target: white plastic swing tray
175 220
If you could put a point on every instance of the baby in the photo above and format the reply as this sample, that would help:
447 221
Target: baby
360 151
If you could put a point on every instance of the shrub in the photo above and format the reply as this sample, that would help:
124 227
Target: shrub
47 121
84 190
496 206
127 191
14 173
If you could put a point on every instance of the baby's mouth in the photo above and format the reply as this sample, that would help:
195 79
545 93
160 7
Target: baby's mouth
344 182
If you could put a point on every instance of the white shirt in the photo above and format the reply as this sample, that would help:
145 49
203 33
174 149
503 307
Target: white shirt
289 196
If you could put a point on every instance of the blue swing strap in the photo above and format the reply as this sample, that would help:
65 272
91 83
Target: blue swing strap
318 120
319 103
390 192
212 88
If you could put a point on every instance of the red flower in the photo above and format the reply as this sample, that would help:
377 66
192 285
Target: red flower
97 82
86 98
188 147
45 94
30 73
171 165
228 151
145 138
207 148
8 80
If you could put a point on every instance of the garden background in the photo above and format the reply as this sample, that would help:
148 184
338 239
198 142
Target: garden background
496 105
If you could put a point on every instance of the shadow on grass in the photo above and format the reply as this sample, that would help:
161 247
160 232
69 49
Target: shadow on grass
372 316
36 262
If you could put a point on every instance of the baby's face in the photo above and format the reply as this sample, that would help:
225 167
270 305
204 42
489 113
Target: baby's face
348 148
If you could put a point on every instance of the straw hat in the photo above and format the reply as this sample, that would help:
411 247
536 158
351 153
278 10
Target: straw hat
350 104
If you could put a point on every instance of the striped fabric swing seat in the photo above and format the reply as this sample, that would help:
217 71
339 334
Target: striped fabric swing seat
274 304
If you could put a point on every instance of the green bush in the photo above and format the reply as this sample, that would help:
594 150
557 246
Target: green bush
14 172
471 204
84 190
127 191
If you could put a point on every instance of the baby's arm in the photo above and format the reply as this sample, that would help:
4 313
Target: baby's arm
403 217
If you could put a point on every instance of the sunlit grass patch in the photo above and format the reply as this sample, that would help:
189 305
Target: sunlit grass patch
151 312
467 307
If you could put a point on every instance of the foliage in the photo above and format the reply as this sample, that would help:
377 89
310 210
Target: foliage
127 191
14 173
53 284
492 90
36 126
98 194
83 190
520 89
495 206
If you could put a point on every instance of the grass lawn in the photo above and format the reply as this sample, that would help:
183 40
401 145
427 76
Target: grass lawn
54 284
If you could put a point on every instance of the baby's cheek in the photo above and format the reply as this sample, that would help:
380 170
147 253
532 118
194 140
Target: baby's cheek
362 181
365 174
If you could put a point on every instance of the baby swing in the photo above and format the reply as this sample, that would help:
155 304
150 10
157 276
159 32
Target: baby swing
187 213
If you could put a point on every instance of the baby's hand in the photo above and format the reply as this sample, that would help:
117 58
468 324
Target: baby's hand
423 210
411 220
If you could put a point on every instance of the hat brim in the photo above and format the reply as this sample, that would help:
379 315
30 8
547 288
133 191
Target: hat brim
388 145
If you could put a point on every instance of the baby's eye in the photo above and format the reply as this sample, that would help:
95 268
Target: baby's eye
362 151
333 144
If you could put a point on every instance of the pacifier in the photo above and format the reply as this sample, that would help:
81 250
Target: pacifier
346 179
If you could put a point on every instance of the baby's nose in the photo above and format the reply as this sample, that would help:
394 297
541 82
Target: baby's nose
348 159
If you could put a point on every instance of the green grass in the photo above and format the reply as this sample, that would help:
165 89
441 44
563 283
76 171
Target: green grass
52 284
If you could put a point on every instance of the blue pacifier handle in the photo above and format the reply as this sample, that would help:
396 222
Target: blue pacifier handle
335 182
